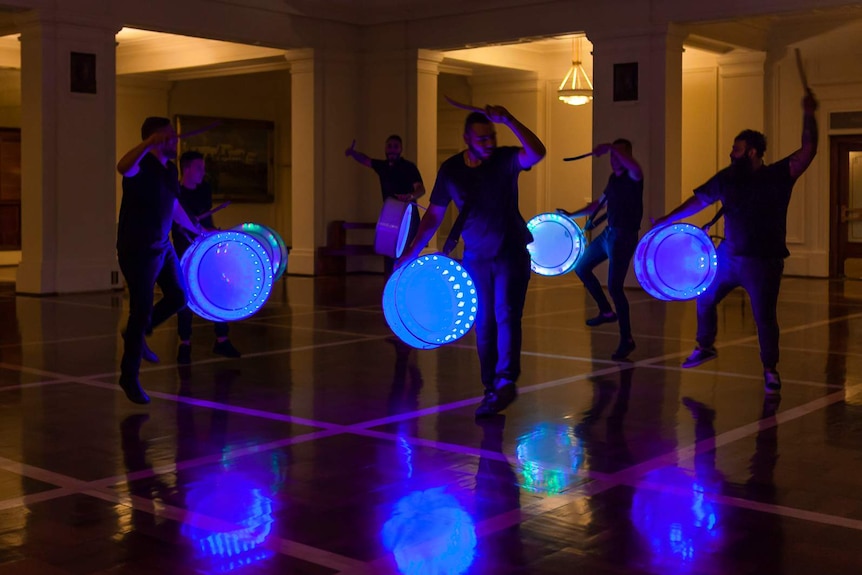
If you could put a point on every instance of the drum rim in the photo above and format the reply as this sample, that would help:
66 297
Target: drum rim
274 241
190 268
576 231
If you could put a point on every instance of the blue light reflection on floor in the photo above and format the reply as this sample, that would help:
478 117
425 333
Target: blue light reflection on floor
676 518
549 458
430 533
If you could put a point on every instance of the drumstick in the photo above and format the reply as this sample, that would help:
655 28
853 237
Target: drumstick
581 157
467 107
199 130
801 69
214 210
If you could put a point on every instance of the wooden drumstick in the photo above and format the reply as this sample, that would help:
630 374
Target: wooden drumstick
581 157
212 211
467 107
801 69
199 130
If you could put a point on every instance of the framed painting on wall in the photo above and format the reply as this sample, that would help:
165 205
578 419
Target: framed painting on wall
239 155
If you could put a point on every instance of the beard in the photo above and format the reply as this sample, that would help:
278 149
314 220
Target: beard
741 166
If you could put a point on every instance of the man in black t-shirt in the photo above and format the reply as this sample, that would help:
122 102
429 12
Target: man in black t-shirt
399 179
144 250
754 198
483 182
624 198
196 198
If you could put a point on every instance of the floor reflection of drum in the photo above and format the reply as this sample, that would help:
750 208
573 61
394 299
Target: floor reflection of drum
228 274
675 262
430 302
275 247
558 244
393 228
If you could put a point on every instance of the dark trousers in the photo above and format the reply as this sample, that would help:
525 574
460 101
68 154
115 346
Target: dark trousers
389 263
501 285
184 325
142 271
761 279
617 246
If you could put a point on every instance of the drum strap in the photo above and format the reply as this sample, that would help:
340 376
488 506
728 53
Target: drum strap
455 232
714 219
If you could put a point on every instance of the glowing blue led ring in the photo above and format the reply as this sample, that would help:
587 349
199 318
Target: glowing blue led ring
275 247
558 244
430 301
228 274
675 262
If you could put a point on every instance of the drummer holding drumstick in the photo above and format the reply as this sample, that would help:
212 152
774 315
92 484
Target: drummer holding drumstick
399 179
754 198
483 182
624 198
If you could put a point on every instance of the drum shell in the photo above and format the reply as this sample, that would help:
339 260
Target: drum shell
675 262
558 244
272 242
393 228
430 301
228 275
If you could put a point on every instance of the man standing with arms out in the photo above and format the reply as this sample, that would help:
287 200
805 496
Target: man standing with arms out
196 198
624 198
483 182
144 250
754 198
399 179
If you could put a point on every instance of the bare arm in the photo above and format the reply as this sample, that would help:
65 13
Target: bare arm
585 211
533 150
352 152
629 163
686 209
182 219
427 228
801 158
128 164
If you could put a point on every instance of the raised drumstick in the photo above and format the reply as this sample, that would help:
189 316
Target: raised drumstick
199 130
581 157
801 69
467 107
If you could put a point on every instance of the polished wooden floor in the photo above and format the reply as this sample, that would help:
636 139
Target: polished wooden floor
329 449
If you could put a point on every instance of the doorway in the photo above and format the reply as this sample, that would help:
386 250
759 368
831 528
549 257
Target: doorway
846 201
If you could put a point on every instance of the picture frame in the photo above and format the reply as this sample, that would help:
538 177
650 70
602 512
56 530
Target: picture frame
239 155
626 82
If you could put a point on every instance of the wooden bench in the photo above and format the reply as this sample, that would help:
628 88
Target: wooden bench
343 241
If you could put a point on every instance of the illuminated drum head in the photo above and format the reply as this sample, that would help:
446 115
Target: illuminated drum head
275 247
430 302
558 243
403 232
228 274
675 262
549 458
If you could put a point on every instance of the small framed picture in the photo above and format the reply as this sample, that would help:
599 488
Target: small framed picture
626 82
83 73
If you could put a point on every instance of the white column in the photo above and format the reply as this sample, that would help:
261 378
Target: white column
68 156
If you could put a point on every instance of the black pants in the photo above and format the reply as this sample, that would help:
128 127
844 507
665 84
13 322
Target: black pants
501 285
761 279
617 246
142 271
184 325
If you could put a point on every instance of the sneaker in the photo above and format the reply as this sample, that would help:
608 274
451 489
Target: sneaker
134 391
772 381
225 348
147 354
497 399
602 318
184 354
625 348
700 355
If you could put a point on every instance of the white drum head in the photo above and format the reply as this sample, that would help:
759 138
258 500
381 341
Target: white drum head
558 243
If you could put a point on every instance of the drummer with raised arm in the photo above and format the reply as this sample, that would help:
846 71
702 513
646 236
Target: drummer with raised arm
623 196
399 179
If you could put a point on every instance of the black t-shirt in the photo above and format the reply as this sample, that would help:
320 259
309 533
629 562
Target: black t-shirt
147 207
490 191
194 202
755 207
396 179
625 202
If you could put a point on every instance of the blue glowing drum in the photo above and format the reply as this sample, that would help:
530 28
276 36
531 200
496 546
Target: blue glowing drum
558 244
393 228
275 247
228 275
430 302
675 262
